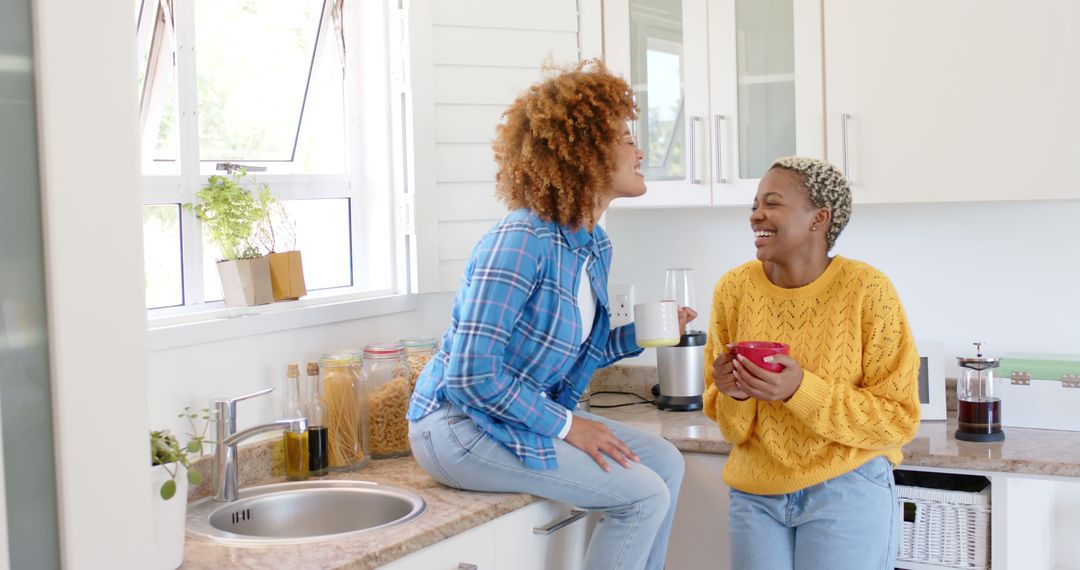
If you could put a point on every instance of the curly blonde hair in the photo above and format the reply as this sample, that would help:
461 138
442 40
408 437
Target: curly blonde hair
826 187
556 148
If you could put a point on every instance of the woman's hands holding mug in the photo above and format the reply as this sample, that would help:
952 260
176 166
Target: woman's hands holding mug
738 377
723 375
762 384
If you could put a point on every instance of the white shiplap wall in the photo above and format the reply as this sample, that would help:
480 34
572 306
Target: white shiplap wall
477 57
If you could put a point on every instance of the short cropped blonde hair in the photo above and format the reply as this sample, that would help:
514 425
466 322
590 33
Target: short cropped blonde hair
827 188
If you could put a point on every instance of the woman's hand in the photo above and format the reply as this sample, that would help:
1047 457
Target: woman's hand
724 379
595 438
765 385
686 314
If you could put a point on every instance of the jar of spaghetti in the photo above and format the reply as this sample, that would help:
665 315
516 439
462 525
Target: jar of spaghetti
345 400
387 377
418 351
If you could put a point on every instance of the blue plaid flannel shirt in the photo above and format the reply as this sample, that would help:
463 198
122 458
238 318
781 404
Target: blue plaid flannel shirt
514 358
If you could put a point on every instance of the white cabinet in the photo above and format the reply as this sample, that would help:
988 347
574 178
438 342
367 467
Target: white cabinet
699 535
723 88
546 535
966 100
472 548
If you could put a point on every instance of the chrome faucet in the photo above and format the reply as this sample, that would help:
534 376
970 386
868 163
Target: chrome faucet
224 469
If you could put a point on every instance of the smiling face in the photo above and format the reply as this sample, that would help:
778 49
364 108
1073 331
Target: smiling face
787 226
627 180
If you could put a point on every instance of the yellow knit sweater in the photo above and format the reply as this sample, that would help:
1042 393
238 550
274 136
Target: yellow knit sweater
859 395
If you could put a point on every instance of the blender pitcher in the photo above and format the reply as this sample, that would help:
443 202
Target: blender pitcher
680 368
978 410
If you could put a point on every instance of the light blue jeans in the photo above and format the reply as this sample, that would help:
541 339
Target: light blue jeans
850 522
638 503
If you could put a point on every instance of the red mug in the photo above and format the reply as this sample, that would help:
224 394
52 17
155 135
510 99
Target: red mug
756 350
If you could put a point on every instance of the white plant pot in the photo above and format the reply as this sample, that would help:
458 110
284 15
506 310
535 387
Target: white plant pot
246 282
169 517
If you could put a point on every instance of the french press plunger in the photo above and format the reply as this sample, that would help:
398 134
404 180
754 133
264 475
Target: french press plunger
978 410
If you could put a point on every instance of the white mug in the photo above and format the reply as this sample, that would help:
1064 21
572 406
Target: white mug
656 323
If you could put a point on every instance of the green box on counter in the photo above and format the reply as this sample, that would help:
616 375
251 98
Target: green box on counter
1039 390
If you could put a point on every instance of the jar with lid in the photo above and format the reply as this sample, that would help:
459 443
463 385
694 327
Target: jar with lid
344 398
418 351
386 374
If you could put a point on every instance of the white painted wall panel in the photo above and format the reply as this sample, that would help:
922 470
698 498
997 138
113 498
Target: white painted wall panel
510 14
464 163
456 239
483 54
469 201
466 123
501 47
450 273
482 85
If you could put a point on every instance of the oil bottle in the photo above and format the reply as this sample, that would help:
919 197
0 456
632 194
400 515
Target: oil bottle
296 444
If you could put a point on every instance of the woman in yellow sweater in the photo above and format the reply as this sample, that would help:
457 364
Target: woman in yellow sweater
815 443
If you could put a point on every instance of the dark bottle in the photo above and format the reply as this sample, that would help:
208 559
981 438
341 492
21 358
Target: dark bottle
318 453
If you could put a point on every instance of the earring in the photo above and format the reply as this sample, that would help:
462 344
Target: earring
813 228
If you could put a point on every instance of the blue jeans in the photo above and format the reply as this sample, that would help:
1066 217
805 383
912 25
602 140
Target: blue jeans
638 503
851 521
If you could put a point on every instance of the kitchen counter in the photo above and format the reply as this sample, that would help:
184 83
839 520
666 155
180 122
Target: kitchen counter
1024 451
450 512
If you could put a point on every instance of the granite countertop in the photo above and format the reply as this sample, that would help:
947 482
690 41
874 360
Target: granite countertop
451 512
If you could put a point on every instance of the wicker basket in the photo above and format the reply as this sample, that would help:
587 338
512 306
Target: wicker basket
949 528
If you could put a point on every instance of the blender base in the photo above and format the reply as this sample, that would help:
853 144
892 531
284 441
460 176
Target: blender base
980 437
679 403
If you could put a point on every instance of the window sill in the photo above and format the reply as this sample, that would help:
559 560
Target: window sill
227 323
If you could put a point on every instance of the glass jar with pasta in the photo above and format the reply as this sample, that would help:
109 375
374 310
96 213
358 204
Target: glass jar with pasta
387 377
418 351
345 400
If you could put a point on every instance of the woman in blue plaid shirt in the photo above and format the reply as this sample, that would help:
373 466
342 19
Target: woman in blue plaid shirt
494 409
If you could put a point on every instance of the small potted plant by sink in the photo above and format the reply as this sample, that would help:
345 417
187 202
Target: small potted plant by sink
171 473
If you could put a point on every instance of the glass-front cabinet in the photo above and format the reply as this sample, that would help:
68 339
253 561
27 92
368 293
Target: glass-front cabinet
723 87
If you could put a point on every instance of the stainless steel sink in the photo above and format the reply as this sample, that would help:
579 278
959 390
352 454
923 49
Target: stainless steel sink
306 511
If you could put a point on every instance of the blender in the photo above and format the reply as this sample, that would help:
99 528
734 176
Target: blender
978 410
681 368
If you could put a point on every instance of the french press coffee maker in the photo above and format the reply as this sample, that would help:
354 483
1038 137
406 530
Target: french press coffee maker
978 410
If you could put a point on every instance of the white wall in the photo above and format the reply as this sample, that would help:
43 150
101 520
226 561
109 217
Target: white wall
1007 274
192 375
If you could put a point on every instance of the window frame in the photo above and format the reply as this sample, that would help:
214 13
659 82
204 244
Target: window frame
374 182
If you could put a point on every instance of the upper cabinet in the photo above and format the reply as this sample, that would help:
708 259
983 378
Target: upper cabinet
723 87
931 101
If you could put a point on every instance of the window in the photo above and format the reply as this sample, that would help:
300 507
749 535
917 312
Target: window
274 86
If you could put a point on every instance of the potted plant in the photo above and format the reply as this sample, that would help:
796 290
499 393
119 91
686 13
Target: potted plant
171 473
231 213
286 265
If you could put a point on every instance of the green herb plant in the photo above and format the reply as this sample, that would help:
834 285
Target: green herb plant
165 450
232 214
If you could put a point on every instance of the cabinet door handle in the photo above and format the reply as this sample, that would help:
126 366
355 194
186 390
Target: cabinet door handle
467 566
719 135
575 515
844 117
693 162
